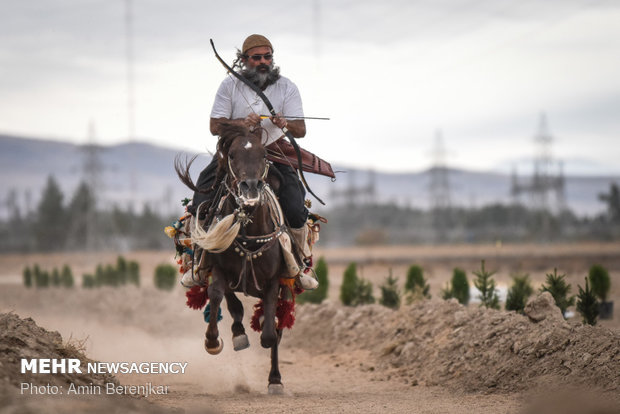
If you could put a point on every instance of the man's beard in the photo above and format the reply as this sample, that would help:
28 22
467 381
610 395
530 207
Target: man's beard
262 75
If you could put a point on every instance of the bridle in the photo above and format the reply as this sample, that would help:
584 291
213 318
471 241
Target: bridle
235 186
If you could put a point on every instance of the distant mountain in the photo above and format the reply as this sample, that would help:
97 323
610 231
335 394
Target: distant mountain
138 173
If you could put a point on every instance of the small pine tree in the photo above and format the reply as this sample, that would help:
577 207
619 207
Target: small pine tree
458 287
559 289
27 277
363 293
486 285
599 281
319 294
518 293
355 291
349 284
134 273
587 305
416 287
88 281
99 276
390 294
165 276
55 278
42 279
111 275
122 270
66 277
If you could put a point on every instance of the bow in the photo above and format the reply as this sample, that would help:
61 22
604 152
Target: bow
272 111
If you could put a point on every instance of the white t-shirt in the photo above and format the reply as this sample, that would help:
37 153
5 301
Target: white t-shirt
235 99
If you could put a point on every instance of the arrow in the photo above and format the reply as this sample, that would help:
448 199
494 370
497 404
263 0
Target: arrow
295 117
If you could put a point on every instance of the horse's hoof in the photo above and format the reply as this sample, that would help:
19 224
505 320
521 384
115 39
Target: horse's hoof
240 342
215 350
276 389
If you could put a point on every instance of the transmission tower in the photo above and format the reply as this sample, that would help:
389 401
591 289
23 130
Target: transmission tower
545 182
439 189
92 168
130 69
439 180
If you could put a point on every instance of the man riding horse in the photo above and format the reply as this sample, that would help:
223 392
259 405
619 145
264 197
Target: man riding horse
236 103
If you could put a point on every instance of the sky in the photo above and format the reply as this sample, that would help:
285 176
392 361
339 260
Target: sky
399 79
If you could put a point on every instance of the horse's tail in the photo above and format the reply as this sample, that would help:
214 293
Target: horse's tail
182 169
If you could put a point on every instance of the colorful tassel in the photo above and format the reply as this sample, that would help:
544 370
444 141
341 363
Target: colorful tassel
197 297
207 313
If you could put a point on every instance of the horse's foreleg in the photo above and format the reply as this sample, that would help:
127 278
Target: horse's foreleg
213 342
275 380
269 337
235 307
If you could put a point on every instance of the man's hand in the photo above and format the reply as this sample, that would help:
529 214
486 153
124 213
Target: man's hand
252 121
279 121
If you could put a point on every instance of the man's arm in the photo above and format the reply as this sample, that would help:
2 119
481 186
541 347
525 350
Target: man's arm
250 121
296 126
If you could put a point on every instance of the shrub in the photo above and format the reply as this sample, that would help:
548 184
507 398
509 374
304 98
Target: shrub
559 289
41 278
390 294
88 281
355 291
600 281
518 293
55 278
134 273
486 285
27 277
66 277
416 287
165 276
319 294
587 305
363 293
349 284
122 270
458 287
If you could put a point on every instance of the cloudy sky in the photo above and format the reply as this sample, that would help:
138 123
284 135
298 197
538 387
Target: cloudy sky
391 75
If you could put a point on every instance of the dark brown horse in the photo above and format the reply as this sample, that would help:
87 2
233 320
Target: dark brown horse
253 261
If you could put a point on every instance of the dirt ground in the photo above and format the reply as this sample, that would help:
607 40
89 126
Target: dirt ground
431 357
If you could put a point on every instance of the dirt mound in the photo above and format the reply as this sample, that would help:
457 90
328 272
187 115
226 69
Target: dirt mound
466 348
23 338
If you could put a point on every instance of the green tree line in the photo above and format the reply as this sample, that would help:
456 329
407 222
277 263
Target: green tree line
58 223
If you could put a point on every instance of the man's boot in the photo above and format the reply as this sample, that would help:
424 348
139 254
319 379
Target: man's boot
200 276
304 253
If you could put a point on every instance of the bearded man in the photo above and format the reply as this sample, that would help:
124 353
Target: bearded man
236 103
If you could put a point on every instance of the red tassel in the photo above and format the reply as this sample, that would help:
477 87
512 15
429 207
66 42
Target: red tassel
286 314
197 297
258 312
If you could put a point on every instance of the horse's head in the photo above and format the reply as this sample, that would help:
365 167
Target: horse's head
244 158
